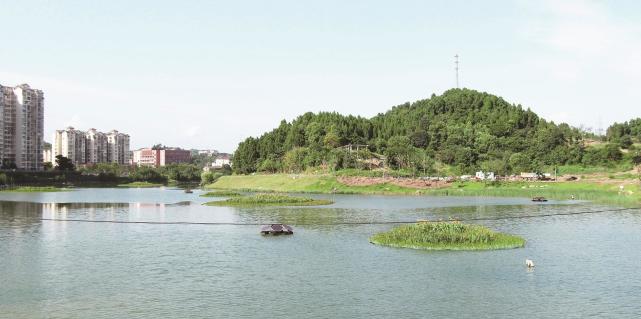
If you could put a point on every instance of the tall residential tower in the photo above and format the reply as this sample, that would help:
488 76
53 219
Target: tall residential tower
22 127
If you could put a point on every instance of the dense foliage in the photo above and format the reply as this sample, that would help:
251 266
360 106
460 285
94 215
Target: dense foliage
462 129
625 134
64 164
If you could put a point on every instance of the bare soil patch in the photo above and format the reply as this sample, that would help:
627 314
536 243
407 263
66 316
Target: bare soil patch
398 181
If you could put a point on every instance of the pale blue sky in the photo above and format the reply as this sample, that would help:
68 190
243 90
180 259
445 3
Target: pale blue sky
207 74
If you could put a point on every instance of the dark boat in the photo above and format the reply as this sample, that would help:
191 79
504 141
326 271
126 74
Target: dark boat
188 191
276 229
539 199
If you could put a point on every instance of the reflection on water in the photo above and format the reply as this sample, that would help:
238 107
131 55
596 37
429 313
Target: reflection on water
586 265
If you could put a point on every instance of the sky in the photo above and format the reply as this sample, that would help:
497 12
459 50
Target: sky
208 74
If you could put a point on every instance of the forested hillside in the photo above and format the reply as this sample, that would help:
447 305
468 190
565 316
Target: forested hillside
625 133
463 129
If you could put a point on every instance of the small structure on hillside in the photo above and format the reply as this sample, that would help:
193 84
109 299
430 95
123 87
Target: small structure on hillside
480 175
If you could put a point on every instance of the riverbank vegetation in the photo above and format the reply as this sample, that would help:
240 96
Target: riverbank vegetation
269 200
446 236
34 189
605 193
221 193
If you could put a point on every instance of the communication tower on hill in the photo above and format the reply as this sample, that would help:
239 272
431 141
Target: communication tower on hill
456 68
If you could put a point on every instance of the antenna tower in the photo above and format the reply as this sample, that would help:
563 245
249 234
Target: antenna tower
456 68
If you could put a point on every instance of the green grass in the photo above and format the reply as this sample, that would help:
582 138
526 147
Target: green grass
285 183
580 169
35 189
604 194
220 193
446 236
269 200
140 185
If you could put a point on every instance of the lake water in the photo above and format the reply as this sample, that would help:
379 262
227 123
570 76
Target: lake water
586 265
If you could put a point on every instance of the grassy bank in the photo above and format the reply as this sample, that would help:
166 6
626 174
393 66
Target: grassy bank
600 193
285 183
220 193
446 236
140 185
269 200
35 189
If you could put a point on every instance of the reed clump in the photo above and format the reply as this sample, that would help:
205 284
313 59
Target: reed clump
269 200
446 236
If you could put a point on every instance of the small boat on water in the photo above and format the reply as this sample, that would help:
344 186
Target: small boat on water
539 199
276 229
188 191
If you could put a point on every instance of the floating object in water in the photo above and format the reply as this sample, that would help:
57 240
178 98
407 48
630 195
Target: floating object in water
539 199
276 229
529 263
188 191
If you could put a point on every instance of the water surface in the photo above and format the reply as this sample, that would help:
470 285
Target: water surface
587 265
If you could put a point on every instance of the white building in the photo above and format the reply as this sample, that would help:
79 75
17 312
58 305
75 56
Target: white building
71 144
118 148
22 127
480 175
221 160
47 156
208 152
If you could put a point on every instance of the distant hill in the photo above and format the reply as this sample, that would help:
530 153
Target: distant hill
463 129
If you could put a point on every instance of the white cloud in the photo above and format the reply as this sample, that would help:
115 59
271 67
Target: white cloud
587 58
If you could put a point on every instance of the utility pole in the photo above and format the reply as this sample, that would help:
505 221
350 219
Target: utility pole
456 68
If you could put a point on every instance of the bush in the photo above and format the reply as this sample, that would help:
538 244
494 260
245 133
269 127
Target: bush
209 177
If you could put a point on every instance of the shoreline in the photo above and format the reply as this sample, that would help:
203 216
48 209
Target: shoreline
330 184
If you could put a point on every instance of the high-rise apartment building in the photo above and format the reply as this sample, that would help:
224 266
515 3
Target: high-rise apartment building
97 147
22 127
71 144
118 147
91 147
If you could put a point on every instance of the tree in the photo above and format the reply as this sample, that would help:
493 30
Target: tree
331 139
64 164
147 174
398 151
8 164
209 177
636 161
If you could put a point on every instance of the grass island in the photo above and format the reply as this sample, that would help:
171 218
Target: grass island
140 185
269 200
220 193
35 189
446 236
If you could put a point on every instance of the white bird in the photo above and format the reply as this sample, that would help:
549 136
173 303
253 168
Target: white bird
529 263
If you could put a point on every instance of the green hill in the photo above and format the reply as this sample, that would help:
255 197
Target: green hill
462 129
